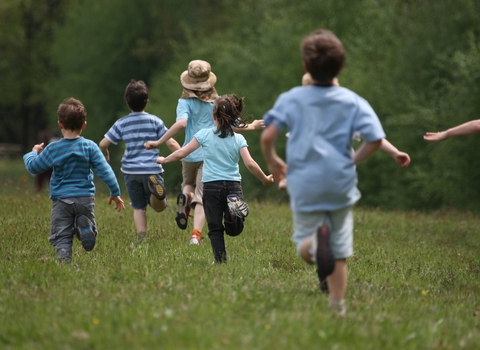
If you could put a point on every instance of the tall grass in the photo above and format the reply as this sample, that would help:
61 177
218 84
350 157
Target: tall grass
413 283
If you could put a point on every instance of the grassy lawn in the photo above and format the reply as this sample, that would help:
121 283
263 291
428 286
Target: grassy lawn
413 282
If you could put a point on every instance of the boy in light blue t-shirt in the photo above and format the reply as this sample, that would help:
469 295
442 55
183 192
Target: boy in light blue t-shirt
225 209
322 181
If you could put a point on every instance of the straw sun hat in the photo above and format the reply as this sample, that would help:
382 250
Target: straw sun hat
198 77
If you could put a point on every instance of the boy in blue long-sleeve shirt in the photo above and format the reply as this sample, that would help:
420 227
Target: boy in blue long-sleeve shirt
72 189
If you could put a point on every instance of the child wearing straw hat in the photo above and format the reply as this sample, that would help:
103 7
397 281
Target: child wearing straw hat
194 113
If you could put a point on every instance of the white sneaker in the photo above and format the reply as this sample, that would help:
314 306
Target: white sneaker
194 240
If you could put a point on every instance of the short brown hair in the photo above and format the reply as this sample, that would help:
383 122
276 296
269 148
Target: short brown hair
72 114
136 95
323 54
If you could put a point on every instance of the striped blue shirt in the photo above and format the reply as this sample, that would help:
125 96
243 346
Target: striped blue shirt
72 161
135 129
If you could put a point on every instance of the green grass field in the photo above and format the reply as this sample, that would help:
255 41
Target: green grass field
414 283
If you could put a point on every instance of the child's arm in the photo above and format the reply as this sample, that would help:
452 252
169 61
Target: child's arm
365 150
104 148
119 205
172 144
471 127
402 158
276 165
254 168
255 125
174 129
39 162
180 153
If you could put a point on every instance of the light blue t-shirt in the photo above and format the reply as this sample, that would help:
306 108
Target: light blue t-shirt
135 129
199 116
221 155
322 121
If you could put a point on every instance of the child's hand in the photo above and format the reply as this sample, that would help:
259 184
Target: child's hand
268 180
435 136
119 205
258 124
38 148
402 159
150 145
161 160
282 185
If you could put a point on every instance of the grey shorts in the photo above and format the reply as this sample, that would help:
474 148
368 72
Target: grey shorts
137 188
63 216
192 173
340 223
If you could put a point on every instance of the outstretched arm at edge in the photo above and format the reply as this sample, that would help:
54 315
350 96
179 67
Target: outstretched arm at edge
471 127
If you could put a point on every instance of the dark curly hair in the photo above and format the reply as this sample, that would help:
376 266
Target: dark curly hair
72 114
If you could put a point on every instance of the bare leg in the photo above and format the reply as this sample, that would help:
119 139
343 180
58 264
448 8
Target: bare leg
337 281
199 217
140 219
305 251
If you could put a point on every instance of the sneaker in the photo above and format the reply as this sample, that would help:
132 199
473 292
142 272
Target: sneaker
156 187
196 236
323 255
141 237
85 232
183 210
237 206
338 306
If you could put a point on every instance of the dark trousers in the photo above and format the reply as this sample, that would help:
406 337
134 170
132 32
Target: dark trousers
218 217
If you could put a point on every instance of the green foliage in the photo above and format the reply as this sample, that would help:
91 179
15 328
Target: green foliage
417 63
413 283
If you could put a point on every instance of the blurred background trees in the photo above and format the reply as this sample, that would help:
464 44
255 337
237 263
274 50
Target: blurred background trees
417 63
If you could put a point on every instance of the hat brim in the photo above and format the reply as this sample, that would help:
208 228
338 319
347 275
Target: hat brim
195 85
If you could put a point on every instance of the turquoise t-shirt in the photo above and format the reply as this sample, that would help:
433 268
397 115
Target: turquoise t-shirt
221 156
322 121
199 116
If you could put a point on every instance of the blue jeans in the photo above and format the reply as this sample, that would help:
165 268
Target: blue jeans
218 217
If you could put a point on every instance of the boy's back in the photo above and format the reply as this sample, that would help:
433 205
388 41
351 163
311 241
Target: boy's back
134 129
72 160
321 121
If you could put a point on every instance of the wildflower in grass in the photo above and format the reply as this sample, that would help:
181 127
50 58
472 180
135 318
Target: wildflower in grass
424 292
268 326
96 321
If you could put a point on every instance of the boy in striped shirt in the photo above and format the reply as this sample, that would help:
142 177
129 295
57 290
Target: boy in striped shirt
72 189
143 176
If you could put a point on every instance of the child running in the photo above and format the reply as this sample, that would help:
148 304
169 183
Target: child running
225 209
72 189
194 113
322 181
143 176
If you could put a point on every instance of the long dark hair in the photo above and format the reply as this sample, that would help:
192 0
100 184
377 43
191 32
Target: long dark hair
228 109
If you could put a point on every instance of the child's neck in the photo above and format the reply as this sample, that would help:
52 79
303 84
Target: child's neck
69 134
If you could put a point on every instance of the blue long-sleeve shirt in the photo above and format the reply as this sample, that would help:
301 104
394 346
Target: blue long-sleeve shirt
72 161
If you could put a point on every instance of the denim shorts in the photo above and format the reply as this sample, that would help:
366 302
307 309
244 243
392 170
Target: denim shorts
340 223
137 188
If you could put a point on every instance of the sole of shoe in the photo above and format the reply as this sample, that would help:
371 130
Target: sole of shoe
156 188
323 255
181 218
85 233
